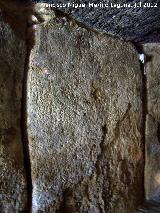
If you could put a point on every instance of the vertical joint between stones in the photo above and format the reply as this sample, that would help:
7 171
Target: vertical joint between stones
24 131
144 111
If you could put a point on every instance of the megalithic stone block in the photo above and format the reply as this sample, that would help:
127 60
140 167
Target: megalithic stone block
84 121
152 168
13 189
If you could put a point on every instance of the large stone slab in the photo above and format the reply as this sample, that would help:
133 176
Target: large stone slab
134 20
152 168
13 195
84 121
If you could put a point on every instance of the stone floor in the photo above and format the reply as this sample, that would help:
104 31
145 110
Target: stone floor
150 207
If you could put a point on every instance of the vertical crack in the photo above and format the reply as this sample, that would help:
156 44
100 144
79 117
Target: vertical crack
102 148
24 133
143 61
68 204
144 109
106 193
158 131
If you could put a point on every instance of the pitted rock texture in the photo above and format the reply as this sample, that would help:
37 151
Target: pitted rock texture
84 122
152 169
138 21
13 193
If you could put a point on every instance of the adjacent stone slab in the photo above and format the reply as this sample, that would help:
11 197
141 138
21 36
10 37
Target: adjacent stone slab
134 20
152 169
84 121
12 175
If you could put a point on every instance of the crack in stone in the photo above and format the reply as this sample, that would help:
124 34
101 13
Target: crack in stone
24 132
98 166
68 204
144 113
158 131
144 108
102 148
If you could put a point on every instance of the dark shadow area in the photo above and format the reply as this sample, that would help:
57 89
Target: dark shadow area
24 133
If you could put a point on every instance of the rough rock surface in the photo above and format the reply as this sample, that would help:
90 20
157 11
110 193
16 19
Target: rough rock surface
138 24
152 170
12 175
84 122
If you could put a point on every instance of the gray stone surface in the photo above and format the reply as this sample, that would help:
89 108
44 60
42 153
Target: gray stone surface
84 122
12 175
139 24
152 169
